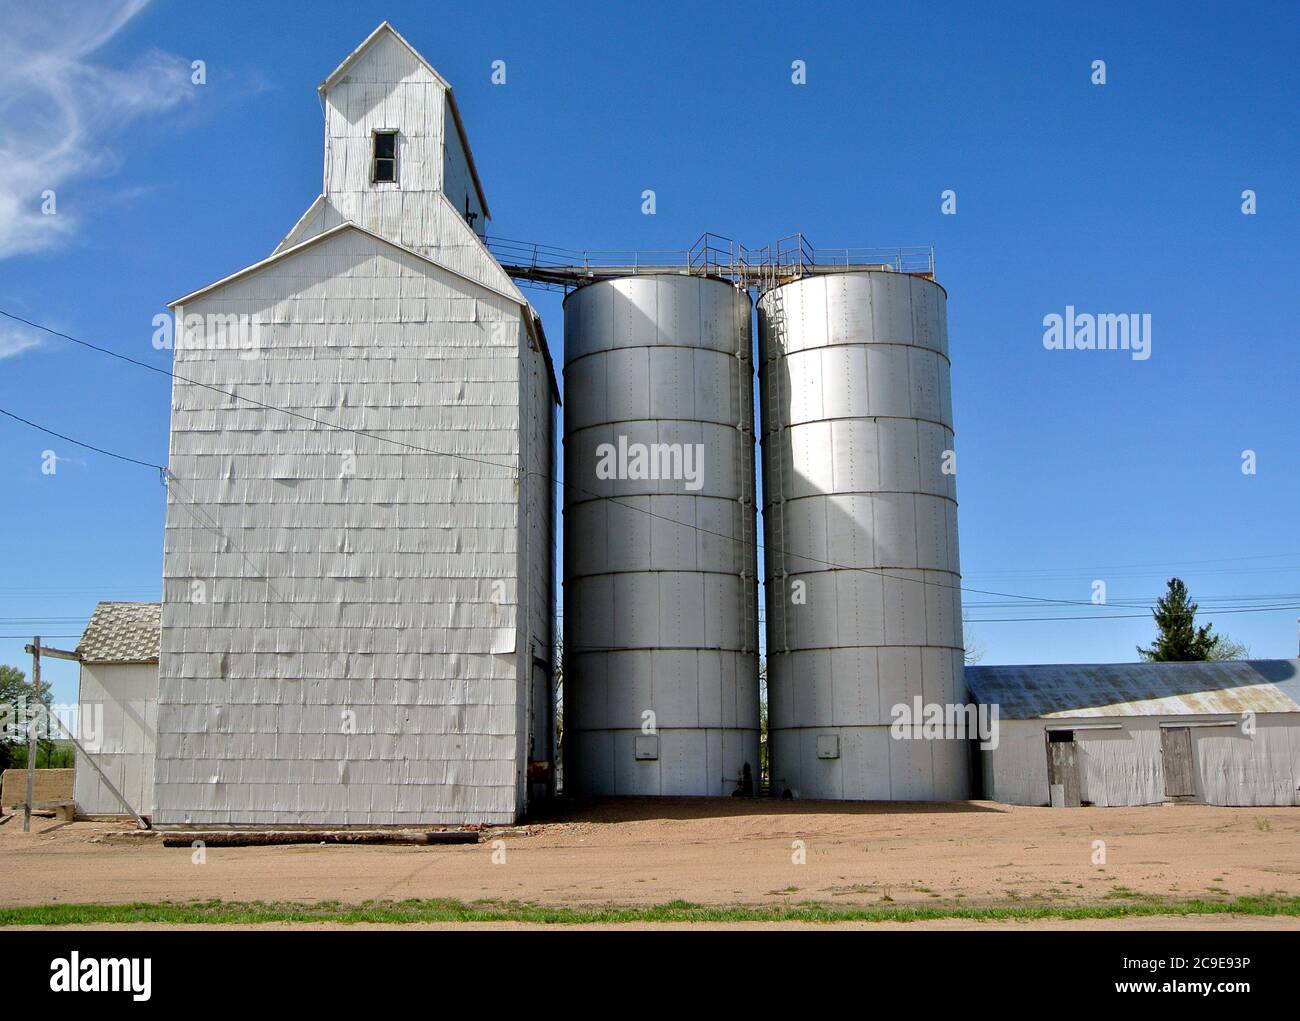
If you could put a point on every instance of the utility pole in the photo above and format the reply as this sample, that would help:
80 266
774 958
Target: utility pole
32 703
35 649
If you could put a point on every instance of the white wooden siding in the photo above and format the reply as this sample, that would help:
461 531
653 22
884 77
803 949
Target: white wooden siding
1124 766
458 180
426 223
371 593
386 88
537 559
120 701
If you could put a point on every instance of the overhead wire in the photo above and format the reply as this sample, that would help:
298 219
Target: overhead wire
515 470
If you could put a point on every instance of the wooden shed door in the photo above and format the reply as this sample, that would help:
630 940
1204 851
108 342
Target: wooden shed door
1063 765
1176 753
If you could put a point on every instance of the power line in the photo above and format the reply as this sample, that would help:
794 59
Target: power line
168 476
240 397
1129 575
209 524
1124 567
512 468
7 621
1203 602
1120 616
193 509
80 443
1208 603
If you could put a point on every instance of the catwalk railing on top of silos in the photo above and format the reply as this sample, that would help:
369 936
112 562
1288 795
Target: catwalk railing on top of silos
712 255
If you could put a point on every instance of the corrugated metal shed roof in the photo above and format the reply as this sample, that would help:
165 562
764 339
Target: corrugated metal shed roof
1139 689
122 633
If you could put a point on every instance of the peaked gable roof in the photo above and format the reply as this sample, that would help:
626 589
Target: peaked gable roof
385 29
441 246
315 239
532 321
299 229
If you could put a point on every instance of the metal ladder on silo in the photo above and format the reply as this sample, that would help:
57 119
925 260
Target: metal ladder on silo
746 546
774 465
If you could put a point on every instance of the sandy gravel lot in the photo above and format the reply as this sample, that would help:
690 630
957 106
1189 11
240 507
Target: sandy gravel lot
1147 923
723 851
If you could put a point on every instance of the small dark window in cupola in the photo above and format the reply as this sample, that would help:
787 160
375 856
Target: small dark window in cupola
383 167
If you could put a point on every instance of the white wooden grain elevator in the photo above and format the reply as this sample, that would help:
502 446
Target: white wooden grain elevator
358 594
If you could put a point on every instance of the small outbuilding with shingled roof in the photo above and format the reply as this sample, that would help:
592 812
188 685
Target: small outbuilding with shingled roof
117 708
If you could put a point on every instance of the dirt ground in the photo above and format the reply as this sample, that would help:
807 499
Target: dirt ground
717 851
1145 923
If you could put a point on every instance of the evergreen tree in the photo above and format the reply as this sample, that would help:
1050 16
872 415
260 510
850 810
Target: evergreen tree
1179 640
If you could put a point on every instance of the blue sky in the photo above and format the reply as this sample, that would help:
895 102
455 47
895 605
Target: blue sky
1122 197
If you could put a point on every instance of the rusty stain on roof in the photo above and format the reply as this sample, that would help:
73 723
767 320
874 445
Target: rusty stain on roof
122 633
1229 687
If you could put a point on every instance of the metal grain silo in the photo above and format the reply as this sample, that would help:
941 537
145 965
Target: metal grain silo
660 579
860 518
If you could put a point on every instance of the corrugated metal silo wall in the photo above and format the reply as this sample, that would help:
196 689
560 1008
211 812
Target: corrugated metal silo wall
660 584
861 560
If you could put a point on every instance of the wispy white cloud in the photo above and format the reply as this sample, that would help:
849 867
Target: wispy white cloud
60 110
14 340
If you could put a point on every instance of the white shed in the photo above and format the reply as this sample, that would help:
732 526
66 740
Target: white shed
117 708
358 557
1222 733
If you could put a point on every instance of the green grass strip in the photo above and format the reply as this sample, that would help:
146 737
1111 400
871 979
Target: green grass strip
217 912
